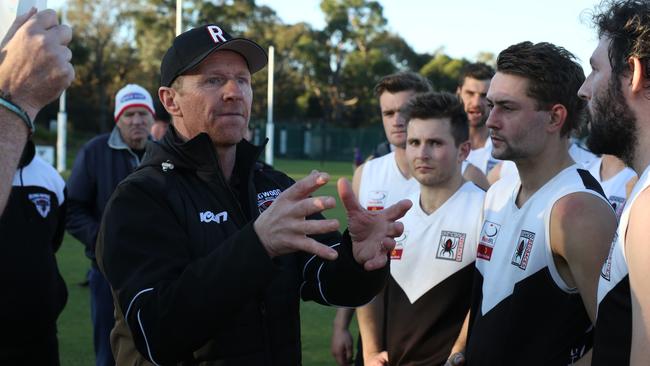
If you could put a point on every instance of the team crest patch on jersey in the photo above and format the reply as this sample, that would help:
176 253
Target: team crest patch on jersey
451 246
42 203
265 199
487 240
396 253
376 200
523 248
617 204
606 271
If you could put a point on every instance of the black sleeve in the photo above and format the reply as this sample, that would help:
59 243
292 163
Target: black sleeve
82 193
342 282
171 302
57 239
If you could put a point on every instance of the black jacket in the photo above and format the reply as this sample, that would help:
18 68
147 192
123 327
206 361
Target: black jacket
31 231
189 273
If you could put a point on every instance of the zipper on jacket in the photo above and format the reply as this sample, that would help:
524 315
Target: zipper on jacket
267 336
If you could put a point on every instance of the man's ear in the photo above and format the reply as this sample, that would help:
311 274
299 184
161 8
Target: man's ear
168 99
558 117
639 76
463 150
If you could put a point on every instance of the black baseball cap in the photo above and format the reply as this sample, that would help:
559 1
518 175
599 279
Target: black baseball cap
193 46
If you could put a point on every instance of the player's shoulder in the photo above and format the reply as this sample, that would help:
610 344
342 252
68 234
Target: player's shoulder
582 208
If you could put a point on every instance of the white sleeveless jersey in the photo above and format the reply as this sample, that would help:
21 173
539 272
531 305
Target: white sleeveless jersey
581 155
382 184
613 187
482 157
428 293
434 247
613 336
522 310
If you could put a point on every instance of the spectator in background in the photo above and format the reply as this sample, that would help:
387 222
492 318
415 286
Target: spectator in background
100 165
35 68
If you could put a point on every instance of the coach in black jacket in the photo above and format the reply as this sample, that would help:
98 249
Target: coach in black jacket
207 251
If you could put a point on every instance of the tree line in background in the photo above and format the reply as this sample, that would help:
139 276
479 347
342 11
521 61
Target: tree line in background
320 74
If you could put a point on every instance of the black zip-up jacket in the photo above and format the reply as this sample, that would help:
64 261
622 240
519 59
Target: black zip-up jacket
191 279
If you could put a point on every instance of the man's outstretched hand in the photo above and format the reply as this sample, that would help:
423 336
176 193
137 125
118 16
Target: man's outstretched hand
373 233
283 227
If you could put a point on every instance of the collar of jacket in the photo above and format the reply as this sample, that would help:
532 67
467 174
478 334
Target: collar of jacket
198 153
115 140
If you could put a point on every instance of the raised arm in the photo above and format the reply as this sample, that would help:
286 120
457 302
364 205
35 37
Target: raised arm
34 69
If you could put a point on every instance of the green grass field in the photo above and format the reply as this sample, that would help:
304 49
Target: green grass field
75 330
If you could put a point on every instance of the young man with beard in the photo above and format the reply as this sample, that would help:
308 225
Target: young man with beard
545 233
619 105
428 292
207 252
474 83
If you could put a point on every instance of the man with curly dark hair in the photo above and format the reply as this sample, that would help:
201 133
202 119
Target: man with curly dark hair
618 95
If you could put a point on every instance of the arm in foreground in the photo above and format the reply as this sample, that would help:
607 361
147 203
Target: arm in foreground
637 254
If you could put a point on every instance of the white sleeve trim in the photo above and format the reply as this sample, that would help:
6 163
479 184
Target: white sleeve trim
304 269
146 341
126 315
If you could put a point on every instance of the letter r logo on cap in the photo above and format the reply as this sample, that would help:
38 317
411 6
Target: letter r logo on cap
216 33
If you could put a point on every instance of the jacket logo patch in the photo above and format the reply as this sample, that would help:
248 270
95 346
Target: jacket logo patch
265 199
488 238
606 271
396 253
167 166
208 216
42 203
523 248
451 246
376 200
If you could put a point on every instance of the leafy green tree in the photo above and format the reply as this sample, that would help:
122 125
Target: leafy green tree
443 71
103 58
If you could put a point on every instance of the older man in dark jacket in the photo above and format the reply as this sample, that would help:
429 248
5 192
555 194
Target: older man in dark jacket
100 165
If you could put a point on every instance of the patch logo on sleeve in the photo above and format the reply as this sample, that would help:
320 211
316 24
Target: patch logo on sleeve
606 271
376 200
487 240
618 203
398 251
265 199
523 248
451 246
42 203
